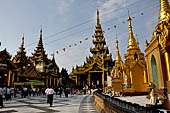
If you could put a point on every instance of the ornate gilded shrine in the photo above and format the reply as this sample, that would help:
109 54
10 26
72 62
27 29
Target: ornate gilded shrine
26 69
95 69
38 67
130 76
7 69
46 67
158 53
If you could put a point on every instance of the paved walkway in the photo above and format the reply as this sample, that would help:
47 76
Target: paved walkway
87 105
73 104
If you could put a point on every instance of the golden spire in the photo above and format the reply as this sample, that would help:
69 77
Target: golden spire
22 43
132 41
118 57
164 9
41 33
98 21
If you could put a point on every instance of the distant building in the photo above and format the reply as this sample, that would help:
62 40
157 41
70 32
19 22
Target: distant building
130 76
7 69
95 70
158 53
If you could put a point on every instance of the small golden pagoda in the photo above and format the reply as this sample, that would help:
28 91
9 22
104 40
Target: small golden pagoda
116 74
158 53
96 69
130 76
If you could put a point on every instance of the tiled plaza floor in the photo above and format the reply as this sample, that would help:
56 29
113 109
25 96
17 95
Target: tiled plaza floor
73 104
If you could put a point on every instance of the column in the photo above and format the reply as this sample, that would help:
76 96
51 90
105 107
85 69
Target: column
13 75
145 77
54 81
9 77
50 81
167 61
89 80
103 80
47 82
131 77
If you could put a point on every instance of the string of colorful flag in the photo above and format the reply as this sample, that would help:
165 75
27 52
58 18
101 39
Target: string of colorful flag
80 42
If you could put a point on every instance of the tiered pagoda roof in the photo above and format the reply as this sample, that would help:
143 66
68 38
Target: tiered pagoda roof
101 59
39 52
21 59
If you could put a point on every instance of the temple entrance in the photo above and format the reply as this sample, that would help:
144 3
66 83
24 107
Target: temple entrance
154 71
96 80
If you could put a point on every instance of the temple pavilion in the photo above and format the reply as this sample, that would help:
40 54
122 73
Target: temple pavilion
158 53
37 68
130 76
96 68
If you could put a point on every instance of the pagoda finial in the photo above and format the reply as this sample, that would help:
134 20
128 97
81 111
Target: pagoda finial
98 21
118 57
41 32
22 43
132 41
164 9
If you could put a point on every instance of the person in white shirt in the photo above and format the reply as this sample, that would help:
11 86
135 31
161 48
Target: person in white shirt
50 92
46 92
1 94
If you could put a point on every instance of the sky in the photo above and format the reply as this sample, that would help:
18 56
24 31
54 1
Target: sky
67 22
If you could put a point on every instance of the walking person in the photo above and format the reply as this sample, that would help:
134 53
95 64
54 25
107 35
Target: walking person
50 92
46 92
1 97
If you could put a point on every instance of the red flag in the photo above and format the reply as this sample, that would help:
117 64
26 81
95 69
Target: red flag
57 52
108 28
80 41
114 26
64 49
123 22
86 38
69 45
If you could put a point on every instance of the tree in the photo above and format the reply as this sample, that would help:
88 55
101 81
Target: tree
65 77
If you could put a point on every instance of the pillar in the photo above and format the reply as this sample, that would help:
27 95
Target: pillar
47 82
89 80
50 81
76 80
131 77
167 61
54 82
13 75
103 79
145 77
9 77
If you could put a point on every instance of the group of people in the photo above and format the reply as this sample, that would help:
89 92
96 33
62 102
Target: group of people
25 91
6 93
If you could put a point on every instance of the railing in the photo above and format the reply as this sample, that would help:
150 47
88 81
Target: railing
123 106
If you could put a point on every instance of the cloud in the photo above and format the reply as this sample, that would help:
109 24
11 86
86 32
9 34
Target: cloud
63 5
112 8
